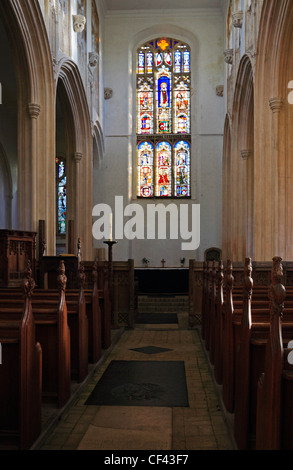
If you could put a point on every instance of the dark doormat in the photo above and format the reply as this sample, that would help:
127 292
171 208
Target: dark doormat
141 383
156 318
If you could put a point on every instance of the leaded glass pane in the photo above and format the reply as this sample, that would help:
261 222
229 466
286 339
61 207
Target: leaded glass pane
186 62
164 169
140 64
61 197
159 59
149 62
145 159
182 169
164 101
177 60
145 110
182 109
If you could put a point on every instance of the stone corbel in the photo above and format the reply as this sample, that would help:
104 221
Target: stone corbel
108 93
245 154
34 110
220 90
77 157
276 104
79 22
237 19
228 56
93 59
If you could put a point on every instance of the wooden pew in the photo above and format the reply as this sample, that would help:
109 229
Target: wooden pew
54 335
20 375
77 323
245 332
274 420
94 318
84 319
248 336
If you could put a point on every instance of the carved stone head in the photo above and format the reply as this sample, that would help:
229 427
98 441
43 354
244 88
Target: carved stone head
79 23
108 92
228 56
93 59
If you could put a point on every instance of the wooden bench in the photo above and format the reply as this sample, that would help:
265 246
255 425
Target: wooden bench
274 419
240 342
53 333
249 362
20 375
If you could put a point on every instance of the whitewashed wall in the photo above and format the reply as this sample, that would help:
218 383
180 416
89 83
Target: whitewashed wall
115 174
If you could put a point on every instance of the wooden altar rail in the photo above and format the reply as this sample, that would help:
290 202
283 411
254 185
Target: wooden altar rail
236 331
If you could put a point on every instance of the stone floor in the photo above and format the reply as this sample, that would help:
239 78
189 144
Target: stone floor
200 426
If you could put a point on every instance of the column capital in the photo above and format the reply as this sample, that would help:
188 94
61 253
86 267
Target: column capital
245 154
34 110
276 104
77 157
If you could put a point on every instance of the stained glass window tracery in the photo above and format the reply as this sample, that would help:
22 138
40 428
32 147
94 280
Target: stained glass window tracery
163 119
61 195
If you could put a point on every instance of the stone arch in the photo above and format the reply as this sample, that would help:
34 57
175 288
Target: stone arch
226 189
273 151
28 39
69 86
242 147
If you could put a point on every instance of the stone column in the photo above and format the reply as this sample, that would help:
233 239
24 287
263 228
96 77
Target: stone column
27 171
247 184
78 194
278 181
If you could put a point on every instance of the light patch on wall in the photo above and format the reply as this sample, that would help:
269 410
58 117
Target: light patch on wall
290 96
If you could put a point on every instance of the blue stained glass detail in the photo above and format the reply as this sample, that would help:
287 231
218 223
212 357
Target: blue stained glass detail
61 197
177 59
186 61
164 89
141 62
149 62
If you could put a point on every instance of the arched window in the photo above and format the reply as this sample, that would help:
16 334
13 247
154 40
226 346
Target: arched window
163 119
61 196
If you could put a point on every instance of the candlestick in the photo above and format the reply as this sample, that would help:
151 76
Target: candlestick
110 244
110 226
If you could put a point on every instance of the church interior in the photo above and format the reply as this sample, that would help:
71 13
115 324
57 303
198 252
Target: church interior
146 242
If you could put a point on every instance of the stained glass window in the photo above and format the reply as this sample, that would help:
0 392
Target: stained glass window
61 195
163 119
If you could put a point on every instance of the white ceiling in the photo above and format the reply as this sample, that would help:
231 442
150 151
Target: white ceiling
159 4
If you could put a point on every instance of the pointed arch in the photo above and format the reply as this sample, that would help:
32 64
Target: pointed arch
241 166
77 121
274 117
29 43
226 190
